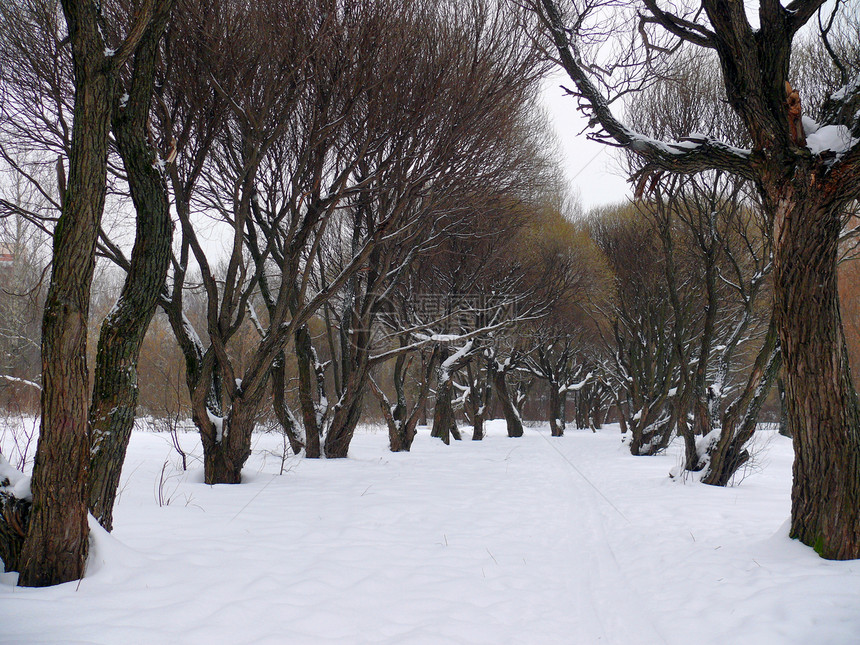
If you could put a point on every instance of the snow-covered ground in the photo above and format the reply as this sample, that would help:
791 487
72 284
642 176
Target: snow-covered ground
532 540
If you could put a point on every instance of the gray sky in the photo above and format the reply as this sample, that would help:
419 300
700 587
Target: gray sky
589 166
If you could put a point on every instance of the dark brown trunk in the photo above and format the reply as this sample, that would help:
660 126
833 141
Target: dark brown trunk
477 427
226 449
55 548
347 415
401 422
689 433
115 390
820 400
652 436
784 428
14 514
444 421
304 358
219 467
556 410
512 416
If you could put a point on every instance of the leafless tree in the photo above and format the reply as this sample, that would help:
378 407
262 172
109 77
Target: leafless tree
805 179
54 549
640 363
444 155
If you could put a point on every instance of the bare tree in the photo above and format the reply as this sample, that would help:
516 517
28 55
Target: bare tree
805 179
640 362
442 154
38 80
55 547
115 388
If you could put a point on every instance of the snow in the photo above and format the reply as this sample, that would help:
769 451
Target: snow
218 422
22 381
531 540
449 362
14 482
830 138
575 387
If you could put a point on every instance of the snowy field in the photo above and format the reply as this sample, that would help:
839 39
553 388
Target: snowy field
532 540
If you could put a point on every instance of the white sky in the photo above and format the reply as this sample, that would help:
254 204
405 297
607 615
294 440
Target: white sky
590 167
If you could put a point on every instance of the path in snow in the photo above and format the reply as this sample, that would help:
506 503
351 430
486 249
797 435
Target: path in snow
534 540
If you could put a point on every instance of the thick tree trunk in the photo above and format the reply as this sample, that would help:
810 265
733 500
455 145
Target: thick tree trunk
227 448
347 413
477 426
512 415
402 423
820 399
55 548
444 421
115 390
343 425
690 433
401 428
650 437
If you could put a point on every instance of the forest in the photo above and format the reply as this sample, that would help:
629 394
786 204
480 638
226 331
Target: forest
221 220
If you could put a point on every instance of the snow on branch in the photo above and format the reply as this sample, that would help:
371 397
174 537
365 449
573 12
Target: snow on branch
22 381
694 154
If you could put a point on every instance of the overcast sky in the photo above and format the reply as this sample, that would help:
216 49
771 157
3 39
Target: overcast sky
589 166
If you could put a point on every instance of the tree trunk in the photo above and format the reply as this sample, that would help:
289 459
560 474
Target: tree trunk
14 514
443 411
226 449
55 548
343 426
512 416
820 399
477 426
114 400
289 424
401 422
652 436
701 423
347 414
729 452
556 410
305 357
784 428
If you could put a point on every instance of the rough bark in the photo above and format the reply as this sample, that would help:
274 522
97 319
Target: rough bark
784 428
821 404
444 420
512 416
355 374
402 423
305 358
114 399
55 548
652 438
346 417
14 513
225 451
